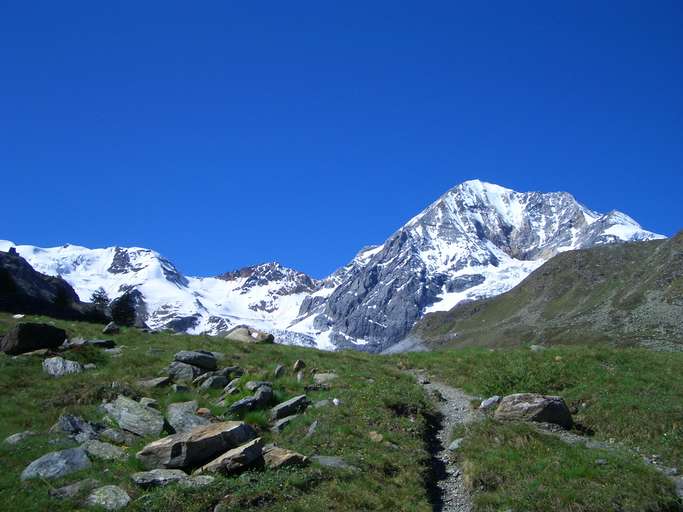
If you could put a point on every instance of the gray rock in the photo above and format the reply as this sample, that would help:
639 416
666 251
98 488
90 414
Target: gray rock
154 383
333 462
279 371
117 436
298 365
183 372
27 337
104 451
289 407
57 464
311 429
489 403
537 348
276 457
232 386
180 388
247 334
18 437
264 395
89 366
75 426
158 477
324 378
111 328
300 376
534 407
321 403
200 358
197 481
189 450
282 423
109 497
58 366
81 342
134 417
253 385
236 459
245 404
215 382
455 445
149 402
114 352
73 490
183 418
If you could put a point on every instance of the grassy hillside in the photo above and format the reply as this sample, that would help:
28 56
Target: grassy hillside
626 294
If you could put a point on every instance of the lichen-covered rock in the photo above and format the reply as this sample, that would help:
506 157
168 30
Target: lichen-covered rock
104 451
57 464
182 416
135 417
58 366
158 477
109 497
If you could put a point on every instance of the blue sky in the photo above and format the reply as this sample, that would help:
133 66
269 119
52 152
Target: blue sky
230 133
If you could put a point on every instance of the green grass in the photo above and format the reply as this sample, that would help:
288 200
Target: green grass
390 479
628 394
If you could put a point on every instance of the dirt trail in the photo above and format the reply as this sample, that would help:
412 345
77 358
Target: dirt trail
454 406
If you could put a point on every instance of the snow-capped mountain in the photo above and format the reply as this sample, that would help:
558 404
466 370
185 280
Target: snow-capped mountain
477 240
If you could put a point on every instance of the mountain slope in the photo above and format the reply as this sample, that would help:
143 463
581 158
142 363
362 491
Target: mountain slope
626 293
477 240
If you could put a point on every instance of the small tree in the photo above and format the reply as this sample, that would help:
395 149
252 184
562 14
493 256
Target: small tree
100 298
123 310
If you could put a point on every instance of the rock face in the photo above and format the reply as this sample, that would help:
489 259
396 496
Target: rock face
27 337
183 417
24 290
58 366
192 449
236 460
57 464
533 407
135 417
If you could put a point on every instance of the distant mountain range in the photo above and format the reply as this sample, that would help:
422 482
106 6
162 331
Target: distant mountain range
476 241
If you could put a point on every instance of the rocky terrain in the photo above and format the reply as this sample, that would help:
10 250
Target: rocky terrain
623 294
476 241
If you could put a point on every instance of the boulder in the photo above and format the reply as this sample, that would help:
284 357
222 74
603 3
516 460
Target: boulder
201 358
253 385
264 395
58 366
215 382
158 477
276 457
57 464
290 407
247 334
279 371
245 404
135 417
183 418
104 451
73 490
18 437
109 497
281 424
534 407
237 459
149 402
183 372
154 383
489 403
298 365
27 337
111 328
189 450
75 426
118 436
324 378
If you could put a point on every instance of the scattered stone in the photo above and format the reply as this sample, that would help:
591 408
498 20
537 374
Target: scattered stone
183 372
232 387
321 403
253 385
276 457
27 337
200 358
236 460
134 417
311 429
81 342
298 365
264 395
188 450
333 462
230 372
75 426
300 376
376 437
18 437
158 477
489 403
244 404
197 481
533 407
279 371
180 388
90 366
109 497
111 328
117 436
215 382
58 366
104 451
281 424
290 407
73 490
324 378
455 445
154 383
183 418
57 464
149 402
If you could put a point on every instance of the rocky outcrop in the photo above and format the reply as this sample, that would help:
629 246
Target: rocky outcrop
534 407
27 337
